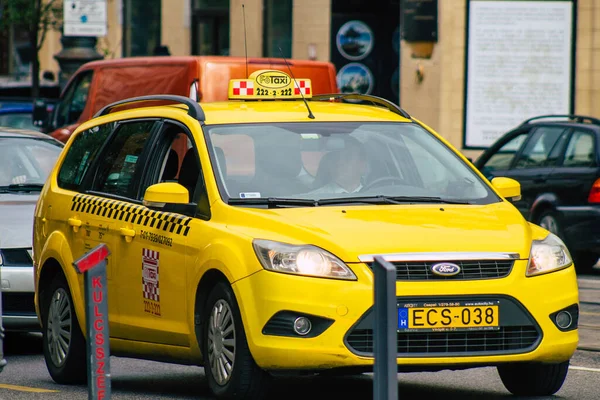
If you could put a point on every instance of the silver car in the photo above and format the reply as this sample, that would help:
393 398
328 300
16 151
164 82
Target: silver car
26 159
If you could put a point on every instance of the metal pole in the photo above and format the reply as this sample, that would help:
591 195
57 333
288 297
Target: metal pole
2 360
385 385
93 267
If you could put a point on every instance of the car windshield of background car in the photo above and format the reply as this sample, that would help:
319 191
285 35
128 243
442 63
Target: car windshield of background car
27 160
336 159
18 120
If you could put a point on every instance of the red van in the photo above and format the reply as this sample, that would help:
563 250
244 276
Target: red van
203 78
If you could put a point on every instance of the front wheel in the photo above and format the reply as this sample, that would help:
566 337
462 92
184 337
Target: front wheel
533 379
63 342
230 369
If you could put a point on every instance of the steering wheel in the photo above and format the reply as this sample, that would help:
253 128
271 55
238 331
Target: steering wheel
380 182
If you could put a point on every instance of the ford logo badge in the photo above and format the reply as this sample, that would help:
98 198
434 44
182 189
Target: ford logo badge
445 269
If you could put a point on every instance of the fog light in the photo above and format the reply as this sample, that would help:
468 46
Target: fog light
302 326
564 319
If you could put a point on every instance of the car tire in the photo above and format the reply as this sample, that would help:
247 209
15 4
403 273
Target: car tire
585 261
225 348
549 221
533 379
63 343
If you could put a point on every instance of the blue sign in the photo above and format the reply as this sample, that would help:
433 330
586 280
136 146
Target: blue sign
403 318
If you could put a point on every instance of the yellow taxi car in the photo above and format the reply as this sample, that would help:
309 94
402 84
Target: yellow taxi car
242 236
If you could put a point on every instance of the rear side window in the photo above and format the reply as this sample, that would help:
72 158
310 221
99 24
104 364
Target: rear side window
81 154
581 151
543 149
122 159
502 159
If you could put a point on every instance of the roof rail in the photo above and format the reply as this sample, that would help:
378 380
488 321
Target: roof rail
577 118
194 109
363 97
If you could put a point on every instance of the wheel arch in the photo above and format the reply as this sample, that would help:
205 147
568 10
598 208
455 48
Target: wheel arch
55 258
208 281
544 202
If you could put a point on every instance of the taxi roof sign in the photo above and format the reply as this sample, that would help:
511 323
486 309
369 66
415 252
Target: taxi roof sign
269 84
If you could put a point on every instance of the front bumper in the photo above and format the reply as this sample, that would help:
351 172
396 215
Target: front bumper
348 303
18 309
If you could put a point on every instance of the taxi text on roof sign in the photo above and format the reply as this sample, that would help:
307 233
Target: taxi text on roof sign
269 84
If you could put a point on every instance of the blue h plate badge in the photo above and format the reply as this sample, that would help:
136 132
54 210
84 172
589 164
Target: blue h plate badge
402 318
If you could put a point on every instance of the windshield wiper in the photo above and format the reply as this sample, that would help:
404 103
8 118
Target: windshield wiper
22 187
274 202
291 202
389 200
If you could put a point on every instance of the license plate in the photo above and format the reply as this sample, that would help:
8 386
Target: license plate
448 316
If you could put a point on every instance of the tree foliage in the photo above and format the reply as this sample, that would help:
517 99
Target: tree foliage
37 17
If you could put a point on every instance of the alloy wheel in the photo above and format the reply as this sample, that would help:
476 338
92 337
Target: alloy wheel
59 327
221 342
549 223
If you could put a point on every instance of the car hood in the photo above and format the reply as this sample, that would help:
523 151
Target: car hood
16 219
352 231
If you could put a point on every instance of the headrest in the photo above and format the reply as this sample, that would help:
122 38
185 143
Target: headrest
171 167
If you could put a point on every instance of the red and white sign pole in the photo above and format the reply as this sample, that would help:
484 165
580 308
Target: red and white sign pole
93 267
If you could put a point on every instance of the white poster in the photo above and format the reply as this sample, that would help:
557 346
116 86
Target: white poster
84 18
519 65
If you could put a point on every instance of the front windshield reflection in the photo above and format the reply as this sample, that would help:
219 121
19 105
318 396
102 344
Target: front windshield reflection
334 159
26 161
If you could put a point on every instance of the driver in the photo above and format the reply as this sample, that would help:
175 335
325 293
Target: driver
348 167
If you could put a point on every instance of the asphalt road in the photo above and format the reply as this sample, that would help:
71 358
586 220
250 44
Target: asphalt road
26 377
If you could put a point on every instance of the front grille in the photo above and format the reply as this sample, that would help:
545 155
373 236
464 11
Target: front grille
17 302
469 270
507 339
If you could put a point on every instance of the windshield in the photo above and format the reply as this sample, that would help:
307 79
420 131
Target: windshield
26 161
334 160
18 120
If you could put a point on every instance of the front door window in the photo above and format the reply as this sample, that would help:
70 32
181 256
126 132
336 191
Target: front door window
74 101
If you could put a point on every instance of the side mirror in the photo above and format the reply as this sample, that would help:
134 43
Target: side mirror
161 194
40 115
508 188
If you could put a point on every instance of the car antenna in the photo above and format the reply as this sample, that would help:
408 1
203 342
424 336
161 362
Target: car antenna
245 41
310 114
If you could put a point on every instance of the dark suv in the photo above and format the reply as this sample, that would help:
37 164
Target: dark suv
555 158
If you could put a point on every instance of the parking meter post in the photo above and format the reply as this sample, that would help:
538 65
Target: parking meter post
93 267
2 360
385 385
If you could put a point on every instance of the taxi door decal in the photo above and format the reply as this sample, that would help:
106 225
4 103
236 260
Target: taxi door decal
150 281
135 214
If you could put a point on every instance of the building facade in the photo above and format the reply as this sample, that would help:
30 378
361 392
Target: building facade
362 38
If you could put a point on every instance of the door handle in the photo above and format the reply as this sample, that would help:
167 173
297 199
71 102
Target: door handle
127 233
75 223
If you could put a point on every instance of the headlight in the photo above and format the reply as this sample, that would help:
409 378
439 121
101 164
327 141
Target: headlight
301 260
547 255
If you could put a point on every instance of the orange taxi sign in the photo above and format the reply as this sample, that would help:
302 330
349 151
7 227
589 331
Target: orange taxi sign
269 84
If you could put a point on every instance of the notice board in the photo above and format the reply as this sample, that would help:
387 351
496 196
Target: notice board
519 64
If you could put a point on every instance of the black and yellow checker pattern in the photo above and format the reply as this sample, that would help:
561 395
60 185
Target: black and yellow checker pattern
132 213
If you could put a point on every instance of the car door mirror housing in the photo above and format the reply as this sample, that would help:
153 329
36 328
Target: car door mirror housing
508 188
162 194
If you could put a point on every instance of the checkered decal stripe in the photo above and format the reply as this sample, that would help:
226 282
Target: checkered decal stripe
243 88
301 86
135 214
150 261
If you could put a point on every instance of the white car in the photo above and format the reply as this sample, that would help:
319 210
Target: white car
26 159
